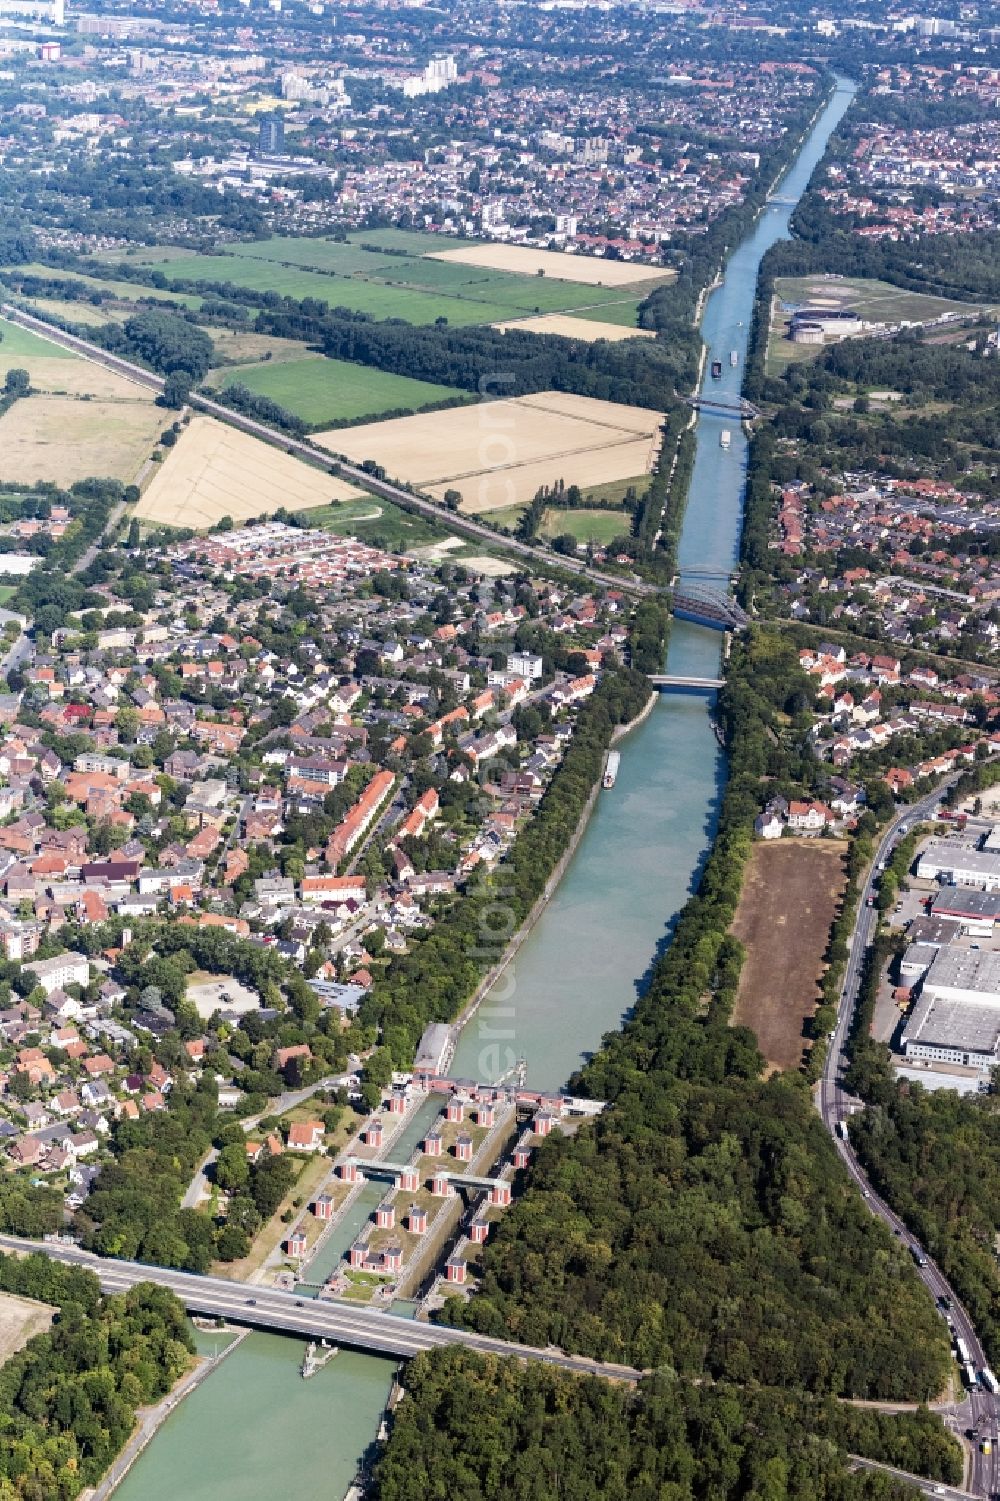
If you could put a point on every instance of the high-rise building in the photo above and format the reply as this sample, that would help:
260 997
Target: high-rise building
271 141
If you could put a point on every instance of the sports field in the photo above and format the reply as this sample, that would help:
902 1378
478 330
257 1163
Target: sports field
586 526
215 471
586 269
588 329
497 454
322 390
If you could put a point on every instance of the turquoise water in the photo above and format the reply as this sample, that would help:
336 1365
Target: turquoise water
254 1430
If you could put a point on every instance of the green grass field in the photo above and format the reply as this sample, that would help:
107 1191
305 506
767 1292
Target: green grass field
412 287
378 522
585 526
322 390
624 311
127 290
17 343
615 489
7 591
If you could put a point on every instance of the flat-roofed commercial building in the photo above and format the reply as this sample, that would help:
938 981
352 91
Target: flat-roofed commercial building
953 1032
957 1018
977 912
959 865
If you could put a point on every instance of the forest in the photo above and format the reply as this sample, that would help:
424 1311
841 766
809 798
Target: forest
704 1221
68 1400
497 1431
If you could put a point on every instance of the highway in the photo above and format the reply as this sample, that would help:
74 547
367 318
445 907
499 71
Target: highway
266 1308
980 1410
465 525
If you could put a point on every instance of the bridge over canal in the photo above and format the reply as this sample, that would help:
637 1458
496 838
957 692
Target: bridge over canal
378 1332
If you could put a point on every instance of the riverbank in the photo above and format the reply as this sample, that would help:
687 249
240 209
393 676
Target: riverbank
152 1418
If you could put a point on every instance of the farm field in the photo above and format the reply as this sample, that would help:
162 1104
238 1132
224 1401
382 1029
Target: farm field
128 291
20 1320
570 327
585 525
215 471
790 895
87 421
55 369
620 310
419 286
499 455
65 438
588 270
616 489
321 390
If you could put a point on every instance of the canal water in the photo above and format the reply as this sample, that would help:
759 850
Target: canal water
254 1430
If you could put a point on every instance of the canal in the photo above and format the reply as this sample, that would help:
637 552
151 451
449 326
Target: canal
254 1429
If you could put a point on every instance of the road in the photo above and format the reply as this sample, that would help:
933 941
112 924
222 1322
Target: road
926 1487
466 526
980 1410
311 1318
87 557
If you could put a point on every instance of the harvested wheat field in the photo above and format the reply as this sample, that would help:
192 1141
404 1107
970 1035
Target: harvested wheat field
791 892
586 329
587 269
498 453
215 471
20 1320
66 438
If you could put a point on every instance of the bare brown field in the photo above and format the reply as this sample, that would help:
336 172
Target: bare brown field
790 895
66 438
586 329
586 269
498 453
215 471
20 1320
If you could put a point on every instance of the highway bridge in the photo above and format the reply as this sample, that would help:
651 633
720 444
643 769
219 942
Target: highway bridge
377 1332
681 684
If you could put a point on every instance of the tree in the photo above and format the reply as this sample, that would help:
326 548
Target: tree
232 1171
18 382
176 388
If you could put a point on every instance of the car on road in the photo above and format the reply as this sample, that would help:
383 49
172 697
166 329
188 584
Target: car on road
251 1302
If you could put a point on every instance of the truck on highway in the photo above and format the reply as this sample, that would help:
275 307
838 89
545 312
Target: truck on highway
971 1379
962 1351
842 1130
988 1380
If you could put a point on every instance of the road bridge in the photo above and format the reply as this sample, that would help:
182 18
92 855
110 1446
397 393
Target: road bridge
735 407
376 1331
680 683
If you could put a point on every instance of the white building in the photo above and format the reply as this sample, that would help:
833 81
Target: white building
959 865
56 974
